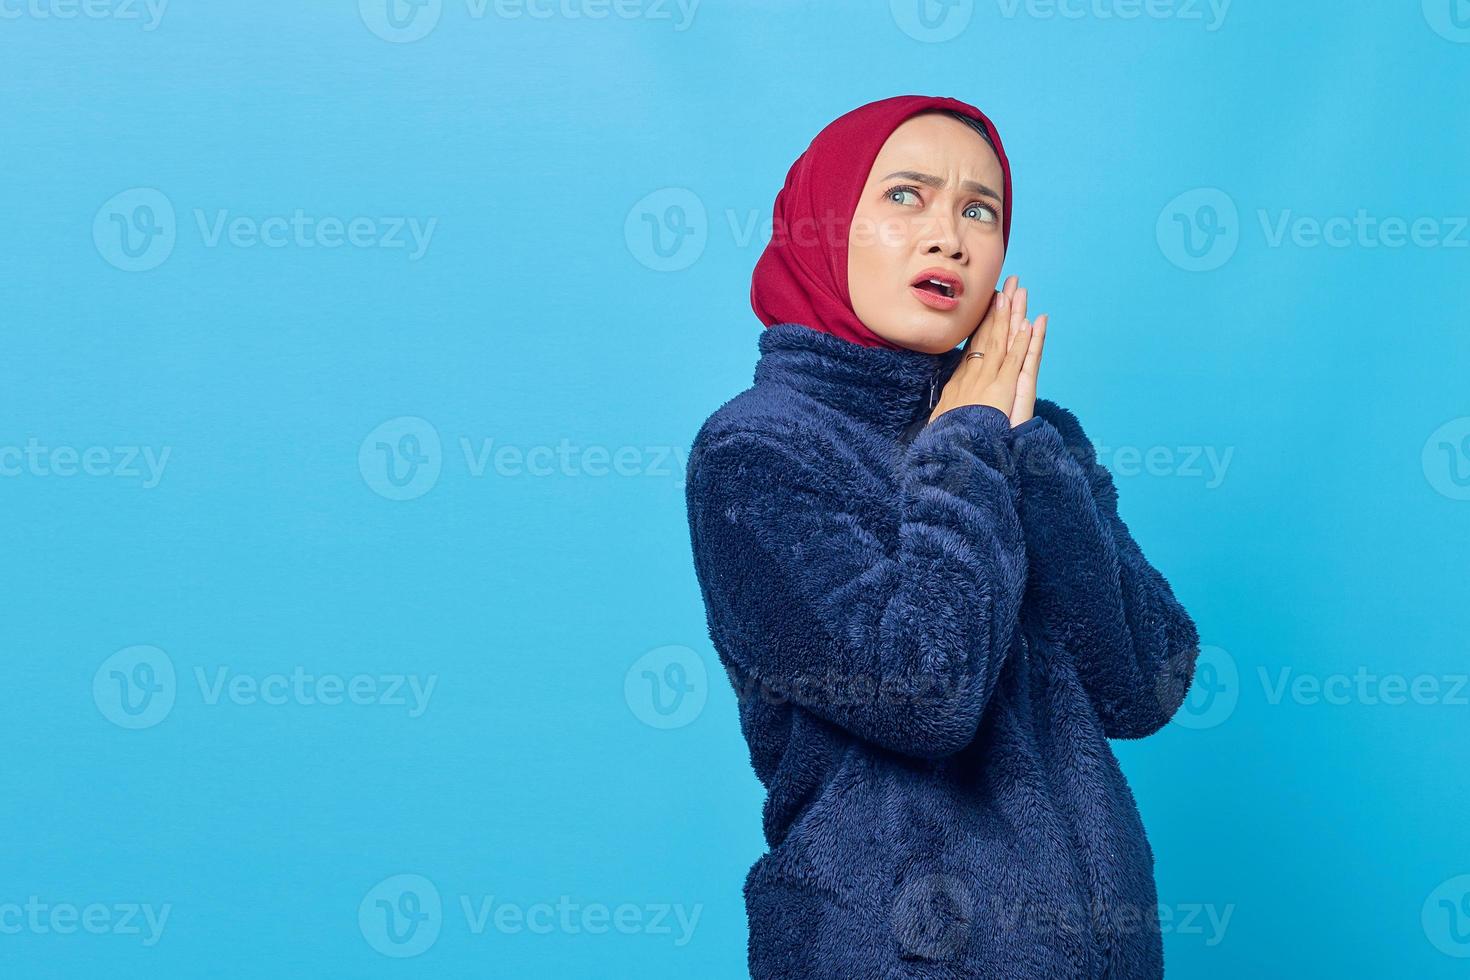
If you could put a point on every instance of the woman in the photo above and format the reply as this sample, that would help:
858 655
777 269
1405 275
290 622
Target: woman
917 580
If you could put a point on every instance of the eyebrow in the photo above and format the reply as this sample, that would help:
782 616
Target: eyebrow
933 181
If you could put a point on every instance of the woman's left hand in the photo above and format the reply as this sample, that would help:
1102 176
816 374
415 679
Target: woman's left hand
1026 383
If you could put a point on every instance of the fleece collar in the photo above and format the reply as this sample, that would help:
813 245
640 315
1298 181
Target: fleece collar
885 388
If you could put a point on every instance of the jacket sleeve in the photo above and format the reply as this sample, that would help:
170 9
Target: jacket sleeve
1133 643
902 649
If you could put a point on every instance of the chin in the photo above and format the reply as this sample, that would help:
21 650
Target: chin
930 334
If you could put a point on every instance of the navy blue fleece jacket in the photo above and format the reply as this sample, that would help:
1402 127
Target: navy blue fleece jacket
932 629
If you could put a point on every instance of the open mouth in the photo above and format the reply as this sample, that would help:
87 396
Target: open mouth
935 286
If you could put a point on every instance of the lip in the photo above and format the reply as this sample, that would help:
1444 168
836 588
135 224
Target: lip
934 300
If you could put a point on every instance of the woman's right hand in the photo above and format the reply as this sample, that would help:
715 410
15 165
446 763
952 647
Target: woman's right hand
989 380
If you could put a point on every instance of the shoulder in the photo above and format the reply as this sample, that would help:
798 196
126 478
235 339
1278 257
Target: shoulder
768 413
758 429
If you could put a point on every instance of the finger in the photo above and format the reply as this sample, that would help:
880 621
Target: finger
1038 341
1026 380
992 312
1011 285
1016 355
997 338
1018 308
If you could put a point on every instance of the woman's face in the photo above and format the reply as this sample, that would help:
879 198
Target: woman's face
931 202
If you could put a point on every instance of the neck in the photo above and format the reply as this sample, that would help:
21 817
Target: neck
889 389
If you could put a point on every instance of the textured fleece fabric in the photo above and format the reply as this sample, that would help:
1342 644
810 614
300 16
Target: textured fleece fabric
932 629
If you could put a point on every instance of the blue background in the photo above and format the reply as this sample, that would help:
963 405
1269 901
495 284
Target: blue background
544 308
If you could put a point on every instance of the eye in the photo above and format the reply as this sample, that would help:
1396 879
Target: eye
901 190
990 213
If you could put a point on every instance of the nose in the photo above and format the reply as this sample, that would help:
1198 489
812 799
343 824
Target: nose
942 235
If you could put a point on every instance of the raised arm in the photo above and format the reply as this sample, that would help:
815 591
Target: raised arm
901 649
1133 644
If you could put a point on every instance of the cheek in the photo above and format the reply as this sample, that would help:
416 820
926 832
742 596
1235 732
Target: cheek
865 288
871 267
985 267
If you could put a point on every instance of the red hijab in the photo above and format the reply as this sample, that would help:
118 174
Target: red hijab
801 277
